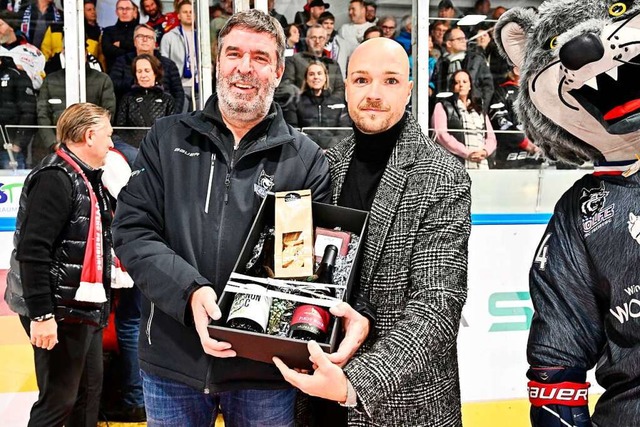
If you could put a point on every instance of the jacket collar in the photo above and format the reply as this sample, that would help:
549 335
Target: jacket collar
271 131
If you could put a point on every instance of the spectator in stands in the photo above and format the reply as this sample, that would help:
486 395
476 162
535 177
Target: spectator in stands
514 150
144 39
117 40
432 64
302 16
481 7
352 33
316 9
372 32
157 20
388 25
52 40
462 112
437 33
17 107
458 57
146 102
497 12
93 33
292 33
271 5
216 25
328 22
446 10
52 101
317 107
404 37
372 9
181 46
487 47
296 67
36 18
25 55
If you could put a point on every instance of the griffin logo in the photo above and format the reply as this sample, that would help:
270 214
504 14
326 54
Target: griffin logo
592 200
264 185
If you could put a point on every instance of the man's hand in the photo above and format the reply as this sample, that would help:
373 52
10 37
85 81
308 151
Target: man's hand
203 307
328 381
116 43
356 328
477 156
44 334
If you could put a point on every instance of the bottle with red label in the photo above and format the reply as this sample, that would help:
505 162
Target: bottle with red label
311 322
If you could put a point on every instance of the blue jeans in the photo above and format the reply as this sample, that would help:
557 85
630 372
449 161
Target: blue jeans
128 329
173 404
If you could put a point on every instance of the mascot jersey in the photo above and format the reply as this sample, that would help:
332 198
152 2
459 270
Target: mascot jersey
585 285
579 100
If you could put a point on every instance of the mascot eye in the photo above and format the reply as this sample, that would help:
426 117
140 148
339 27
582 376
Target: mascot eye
617 9
552 43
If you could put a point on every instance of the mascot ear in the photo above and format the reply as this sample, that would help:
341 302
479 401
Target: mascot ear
510 34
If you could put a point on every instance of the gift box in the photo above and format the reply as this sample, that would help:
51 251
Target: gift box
262 347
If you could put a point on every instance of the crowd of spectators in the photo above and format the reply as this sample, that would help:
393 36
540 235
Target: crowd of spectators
33 38
479 127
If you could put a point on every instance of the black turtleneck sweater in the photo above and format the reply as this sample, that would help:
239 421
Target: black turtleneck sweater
369 161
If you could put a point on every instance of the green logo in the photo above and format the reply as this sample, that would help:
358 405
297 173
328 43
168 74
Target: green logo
510 304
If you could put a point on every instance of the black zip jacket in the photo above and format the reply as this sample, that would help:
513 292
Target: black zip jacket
181 223
585 288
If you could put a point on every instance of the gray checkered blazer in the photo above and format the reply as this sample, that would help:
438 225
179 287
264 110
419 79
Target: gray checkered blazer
415 272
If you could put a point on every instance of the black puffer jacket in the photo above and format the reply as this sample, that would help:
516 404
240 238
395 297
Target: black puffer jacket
140 108
326 110
123 78
181 222
17 101
68 250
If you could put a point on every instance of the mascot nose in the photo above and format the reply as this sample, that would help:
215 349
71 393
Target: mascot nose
580 51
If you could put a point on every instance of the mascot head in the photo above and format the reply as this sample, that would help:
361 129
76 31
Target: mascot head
579 64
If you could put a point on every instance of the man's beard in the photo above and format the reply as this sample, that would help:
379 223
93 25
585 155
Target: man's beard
247 107
5 39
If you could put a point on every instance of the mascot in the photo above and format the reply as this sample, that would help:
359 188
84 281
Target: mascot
580 100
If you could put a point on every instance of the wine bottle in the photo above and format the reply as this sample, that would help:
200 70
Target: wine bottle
311 322
250 312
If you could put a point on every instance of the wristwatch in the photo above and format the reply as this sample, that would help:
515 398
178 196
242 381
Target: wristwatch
43 317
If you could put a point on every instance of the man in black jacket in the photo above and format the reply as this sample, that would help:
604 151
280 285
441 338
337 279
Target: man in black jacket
17 107
182 220
118 39
145 42
458 57
61 269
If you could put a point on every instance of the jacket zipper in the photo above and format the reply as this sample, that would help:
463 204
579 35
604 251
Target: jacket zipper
320 115
227 179
209 186
207 376
148 329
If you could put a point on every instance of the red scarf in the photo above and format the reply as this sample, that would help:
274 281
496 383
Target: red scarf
91 286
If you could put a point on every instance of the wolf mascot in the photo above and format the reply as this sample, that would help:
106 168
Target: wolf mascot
580 100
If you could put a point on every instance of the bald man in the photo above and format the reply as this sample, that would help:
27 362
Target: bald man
415 258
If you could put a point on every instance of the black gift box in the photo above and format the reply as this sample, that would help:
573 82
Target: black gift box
263 347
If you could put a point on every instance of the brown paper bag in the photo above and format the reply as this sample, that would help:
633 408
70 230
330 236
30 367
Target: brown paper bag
293 234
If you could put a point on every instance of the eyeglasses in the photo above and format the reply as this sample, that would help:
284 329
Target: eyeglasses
124 9
317 38
385 27
145 37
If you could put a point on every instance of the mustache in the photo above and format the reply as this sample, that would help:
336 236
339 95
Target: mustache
374 105
245 78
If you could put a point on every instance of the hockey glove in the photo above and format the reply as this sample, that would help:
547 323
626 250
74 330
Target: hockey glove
558 397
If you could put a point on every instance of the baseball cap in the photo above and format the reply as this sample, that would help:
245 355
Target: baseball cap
319 3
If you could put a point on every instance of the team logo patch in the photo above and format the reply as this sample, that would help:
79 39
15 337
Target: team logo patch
634 226
264 185
595 213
